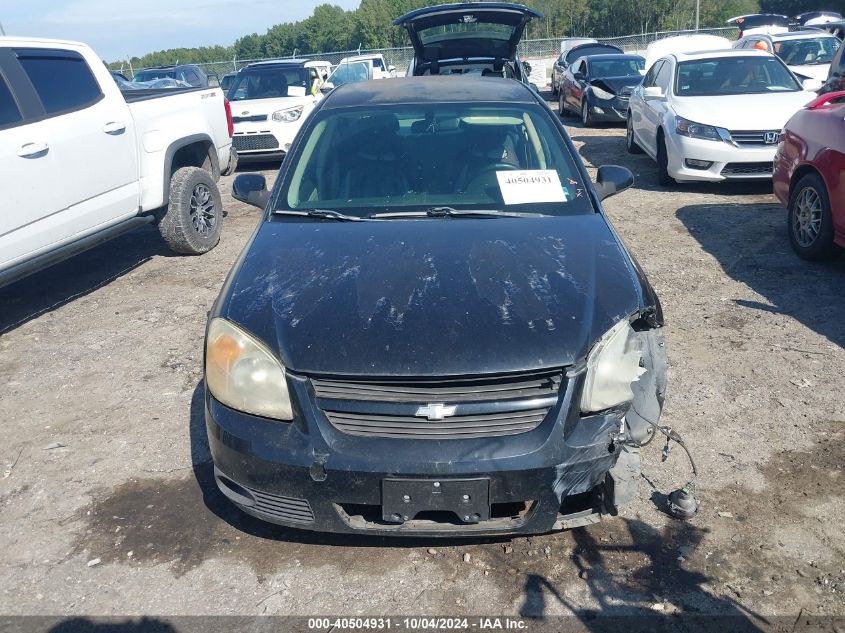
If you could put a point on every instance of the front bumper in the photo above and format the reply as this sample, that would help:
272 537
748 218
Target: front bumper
728 162
308 474
610 110
263 140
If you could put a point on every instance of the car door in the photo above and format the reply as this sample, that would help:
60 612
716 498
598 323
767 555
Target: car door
26 165
576 88
648 120
91 178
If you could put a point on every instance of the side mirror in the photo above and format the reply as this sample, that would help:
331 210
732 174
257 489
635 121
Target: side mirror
653 92
327 87
391 69
579 76
252 189
612 179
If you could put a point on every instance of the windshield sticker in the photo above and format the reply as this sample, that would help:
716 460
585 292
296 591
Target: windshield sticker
525 187
296 91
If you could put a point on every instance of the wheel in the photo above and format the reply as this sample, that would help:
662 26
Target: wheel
561 102
810 223
586 119
630 142
554 88
194 217
663 177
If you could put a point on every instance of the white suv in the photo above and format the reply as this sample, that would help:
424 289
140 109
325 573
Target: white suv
270 100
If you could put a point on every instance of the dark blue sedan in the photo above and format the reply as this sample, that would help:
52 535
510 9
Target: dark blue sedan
434 330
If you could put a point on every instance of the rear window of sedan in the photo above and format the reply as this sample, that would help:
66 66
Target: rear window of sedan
368 160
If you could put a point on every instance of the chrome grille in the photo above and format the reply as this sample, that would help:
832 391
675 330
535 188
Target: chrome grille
755 137
247 142
456 427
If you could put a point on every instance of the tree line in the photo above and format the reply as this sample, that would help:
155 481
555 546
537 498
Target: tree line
331 28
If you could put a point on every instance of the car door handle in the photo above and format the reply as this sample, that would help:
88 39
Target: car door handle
33 150
114 127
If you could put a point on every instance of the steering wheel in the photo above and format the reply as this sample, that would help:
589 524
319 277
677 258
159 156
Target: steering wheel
478 181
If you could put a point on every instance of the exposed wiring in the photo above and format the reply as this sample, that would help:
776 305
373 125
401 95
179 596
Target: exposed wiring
671 436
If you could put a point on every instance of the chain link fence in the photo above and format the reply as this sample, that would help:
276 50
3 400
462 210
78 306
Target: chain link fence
543 50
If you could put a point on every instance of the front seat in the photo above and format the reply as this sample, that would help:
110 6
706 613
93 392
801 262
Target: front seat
377 166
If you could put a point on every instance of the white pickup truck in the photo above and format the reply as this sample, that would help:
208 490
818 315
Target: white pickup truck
81 162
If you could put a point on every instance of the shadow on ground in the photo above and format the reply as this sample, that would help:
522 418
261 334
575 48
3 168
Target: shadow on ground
751 244
78 276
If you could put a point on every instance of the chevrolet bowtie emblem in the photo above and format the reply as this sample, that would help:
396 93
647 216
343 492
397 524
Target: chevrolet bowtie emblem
436 411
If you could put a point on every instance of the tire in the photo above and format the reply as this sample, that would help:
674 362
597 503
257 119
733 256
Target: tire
630 142
561 103
586 119
809 219
194 218
554 88
663 177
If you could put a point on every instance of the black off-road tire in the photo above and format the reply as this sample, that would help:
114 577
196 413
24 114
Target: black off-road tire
194 218
809 219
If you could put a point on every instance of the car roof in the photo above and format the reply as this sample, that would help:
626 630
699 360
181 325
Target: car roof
428 89
278 62
731 52
799 35
612 56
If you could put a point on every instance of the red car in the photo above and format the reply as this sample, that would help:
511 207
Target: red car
809 176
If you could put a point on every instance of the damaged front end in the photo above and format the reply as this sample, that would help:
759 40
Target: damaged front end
623 377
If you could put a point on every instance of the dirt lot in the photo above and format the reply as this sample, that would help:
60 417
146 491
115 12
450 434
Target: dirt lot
106 459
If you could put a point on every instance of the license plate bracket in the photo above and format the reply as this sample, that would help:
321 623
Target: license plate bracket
403 499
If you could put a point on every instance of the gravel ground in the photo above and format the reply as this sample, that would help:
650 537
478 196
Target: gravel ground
108 504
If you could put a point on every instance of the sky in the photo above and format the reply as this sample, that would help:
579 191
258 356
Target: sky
117 29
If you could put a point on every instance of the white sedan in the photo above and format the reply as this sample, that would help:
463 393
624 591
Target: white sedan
713 116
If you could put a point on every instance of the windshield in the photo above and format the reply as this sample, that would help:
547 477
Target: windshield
269 83
616 67
152 75
388 159
815 50
733 76
350 73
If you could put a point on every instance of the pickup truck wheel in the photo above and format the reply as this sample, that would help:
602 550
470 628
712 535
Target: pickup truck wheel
194 217
809 219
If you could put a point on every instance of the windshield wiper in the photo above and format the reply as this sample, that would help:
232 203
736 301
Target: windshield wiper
327 214
449 212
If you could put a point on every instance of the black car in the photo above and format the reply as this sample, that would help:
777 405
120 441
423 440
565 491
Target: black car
471 38
567 58
598 87
434 330
190 74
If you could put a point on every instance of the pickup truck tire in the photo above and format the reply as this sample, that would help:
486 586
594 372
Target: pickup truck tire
194 218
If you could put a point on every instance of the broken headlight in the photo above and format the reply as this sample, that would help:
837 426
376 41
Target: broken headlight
612 366
243 374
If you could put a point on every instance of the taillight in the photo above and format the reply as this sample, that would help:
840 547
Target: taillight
229 122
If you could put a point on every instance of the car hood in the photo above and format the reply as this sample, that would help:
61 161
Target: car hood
248 108
811 71
432 297
768 111
462 39
618 85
